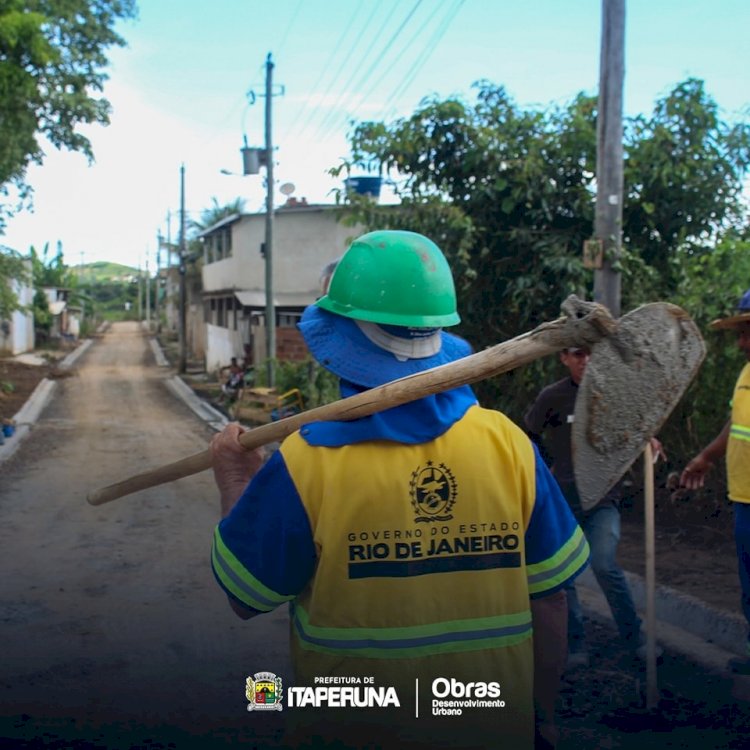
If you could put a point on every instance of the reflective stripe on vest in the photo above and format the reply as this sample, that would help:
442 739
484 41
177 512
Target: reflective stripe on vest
550 573
740 432
242 584
415 640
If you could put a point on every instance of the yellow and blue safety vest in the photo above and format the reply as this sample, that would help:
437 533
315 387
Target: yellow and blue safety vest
738 447
405 557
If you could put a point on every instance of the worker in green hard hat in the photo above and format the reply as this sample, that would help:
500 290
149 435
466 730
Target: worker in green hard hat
422 550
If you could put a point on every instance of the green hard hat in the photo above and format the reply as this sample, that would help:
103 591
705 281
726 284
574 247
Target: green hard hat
395 278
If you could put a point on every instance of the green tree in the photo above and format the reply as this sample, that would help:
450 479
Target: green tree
710 285
216 213
42 314
684 170
518 184
509 195
50 272
12 268
52 55
506 193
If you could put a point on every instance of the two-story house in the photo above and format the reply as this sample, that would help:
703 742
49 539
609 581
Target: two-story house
305 239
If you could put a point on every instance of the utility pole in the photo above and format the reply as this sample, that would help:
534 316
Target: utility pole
157 312
182 326
81 284
607 281
609 168
140 294
270 308
169 238
252 159
148 297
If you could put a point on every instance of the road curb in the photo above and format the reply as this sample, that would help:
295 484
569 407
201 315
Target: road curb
35 404
684 623
26 416
214 418
161 360
211 416
71 358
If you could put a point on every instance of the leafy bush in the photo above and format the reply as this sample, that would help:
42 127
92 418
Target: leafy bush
316 384
712 284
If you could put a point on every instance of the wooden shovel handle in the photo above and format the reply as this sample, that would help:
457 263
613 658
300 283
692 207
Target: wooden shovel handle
585 324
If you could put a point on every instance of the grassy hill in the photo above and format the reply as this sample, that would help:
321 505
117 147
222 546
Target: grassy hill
103 271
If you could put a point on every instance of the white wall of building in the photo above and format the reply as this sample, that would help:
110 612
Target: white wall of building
20 328
221 345
304 241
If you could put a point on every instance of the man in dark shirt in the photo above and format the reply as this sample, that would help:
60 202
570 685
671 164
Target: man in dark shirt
548 423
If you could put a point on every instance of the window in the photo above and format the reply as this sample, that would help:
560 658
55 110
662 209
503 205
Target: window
289 319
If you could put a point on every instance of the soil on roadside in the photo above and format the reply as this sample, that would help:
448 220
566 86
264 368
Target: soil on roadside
17 383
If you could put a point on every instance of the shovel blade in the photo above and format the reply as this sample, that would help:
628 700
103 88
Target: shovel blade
632 382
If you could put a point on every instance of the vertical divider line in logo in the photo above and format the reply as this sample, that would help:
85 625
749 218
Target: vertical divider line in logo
416 698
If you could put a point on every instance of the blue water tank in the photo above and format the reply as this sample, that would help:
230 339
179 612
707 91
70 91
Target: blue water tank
364 185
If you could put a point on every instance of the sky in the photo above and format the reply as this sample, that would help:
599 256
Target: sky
190 84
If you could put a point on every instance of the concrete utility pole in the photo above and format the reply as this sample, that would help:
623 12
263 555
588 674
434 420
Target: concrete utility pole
270 308
169 238
252 159
182 325
158 282
609 168
148 298
140 294
607 281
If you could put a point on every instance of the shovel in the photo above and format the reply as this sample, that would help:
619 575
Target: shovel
630 386
583 324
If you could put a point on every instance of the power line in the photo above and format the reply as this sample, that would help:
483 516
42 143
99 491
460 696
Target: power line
407 46
289 27
393 38
419 62
385 49
234 109
345 91
422 59
334 51
355 43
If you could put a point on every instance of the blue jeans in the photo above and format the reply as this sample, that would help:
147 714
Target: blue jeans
742 543
602 529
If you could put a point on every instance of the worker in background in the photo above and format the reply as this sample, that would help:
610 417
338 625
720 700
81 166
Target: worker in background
549 423
424 546
326 275
733 442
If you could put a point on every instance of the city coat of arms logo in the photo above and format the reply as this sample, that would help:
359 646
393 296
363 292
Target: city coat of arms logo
433 491
264 692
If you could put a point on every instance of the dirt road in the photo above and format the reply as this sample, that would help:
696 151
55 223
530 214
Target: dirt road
111 624
113 634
